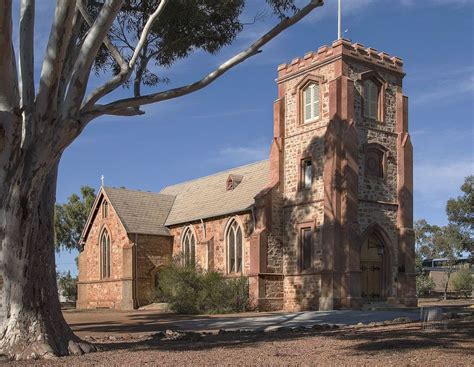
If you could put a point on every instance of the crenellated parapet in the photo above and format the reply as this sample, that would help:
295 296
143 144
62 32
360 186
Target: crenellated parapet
338 49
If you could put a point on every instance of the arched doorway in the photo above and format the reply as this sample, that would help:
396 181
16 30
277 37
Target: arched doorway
373 272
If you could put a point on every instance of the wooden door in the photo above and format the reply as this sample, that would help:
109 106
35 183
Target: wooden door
371 269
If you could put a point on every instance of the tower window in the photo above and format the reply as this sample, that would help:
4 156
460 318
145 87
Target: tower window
306 240
374 162
306 173
371 99
311 102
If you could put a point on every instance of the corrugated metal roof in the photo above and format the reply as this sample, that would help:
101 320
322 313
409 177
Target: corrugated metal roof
140 211
208 196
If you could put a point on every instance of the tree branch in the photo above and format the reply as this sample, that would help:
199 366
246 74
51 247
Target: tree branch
146 30
254 49
107 42
27 26
73 49
46 100
125 73
90 47
27 73
9 96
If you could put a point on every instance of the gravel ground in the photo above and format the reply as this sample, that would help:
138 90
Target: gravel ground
396 345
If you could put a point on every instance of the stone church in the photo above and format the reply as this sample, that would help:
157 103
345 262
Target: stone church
325 223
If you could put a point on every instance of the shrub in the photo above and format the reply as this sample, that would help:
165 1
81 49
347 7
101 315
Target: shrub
462 282
424 285
189 290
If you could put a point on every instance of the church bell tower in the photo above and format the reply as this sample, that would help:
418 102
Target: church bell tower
343 161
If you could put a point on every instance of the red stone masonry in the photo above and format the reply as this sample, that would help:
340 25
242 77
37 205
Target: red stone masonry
327 54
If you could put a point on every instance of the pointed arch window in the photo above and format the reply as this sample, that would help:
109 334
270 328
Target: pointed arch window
371 99
105 256
374 89
234 239
189 247
105 209
311 102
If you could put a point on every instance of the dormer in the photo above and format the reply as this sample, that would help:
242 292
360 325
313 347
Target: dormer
233 181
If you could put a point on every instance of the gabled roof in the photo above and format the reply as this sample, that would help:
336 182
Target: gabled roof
208 196
140 211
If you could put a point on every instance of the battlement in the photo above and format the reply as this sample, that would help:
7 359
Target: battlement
339 48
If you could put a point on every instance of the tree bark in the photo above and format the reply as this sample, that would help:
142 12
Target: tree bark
33 326
446 285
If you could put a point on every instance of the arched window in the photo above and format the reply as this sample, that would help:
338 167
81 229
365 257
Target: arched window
371 99
234 238
188 244
374 161
105 209
311 102
105 254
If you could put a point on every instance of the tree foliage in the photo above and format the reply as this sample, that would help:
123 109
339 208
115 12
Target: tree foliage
460 211
450 241
70 218
185 26
463 282
67 286
424 285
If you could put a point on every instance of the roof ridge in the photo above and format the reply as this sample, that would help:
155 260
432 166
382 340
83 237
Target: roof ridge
212 174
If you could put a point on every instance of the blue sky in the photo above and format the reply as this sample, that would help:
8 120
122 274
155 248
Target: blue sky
230 122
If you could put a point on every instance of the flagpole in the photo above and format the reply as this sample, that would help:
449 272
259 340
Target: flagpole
339 21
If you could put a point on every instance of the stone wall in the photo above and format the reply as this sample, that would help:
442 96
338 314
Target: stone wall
94 292
303 206
349 204
210 246
153 252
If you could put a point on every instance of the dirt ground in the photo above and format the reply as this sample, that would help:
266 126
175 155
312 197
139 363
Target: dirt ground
396 345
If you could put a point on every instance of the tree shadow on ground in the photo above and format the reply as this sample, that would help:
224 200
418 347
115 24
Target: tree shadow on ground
370 340
413 338
149 323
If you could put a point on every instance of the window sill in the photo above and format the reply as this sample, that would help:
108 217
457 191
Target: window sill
376 178
309 122
374 120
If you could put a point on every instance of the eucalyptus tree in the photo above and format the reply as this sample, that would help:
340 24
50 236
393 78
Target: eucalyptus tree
41 115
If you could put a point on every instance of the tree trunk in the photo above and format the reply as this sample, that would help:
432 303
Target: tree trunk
447 284
33 325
